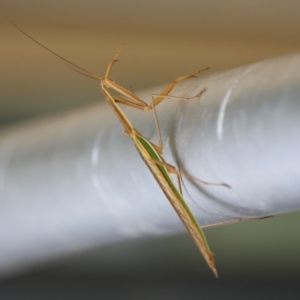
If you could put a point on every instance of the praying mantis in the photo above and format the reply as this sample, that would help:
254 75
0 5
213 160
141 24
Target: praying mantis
150 153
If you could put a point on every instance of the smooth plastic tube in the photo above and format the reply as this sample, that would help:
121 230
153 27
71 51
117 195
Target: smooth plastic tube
72 182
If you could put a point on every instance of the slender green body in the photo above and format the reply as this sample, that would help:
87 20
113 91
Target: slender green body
163 178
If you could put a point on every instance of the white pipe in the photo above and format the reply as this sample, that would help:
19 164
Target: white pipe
72 182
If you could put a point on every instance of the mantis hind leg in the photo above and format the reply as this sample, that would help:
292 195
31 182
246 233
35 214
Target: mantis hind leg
171 169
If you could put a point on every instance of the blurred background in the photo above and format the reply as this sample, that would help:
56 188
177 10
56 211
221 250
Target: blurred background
164 40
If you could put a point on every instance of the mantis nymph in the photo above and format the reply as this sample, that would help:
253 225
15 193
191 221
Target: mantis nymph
150 152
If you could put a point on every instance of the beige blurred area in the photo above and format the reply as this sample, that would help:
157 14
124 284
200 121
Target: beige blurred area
164 40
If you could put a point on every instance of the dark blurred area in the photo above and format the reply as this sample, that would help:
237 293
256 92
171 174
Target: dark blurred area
255 259
164 40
